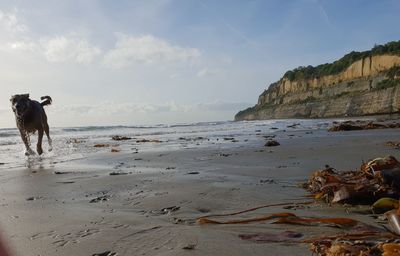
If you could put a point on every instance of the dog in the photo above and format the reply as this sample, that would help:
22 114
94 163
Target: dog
31 117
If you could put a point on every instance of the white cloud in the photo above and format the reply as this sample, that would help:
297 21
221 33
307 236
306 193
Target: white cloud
69 49
12 32
147 49
10 23
113 108
208 72
16 37
22 45
222 106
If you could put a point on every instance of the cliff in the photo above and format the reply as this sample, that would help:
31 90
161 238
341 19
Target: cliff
366 83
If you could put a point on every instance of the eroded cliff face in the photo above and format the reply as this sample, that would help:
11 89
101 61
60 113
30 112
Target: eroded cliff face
353 92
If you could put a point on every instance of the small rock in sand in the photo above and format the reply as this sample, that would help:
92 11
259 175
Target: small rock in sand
268 181
57 172
167 210
146 140
101 145
118 138
100 199
107 253
170 209
203 210
189 247
272 143
293 125
118 173
33 198
269 136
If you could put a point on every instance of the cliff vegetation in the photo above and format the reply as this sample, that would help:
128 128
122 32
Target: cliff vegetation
310 72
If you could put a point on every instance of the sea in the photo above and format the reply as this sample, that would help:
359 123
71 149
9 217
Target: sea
73 143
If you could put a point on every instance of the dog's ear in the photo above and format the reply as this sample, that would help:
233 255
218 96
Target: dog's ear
25 95
12 98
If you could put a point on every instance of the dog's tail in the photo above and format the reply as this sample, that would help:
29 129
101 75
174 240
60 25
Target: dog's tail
47 101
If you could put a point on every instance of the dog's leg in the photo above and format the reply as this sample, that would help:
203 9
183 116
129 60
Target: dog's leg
25 139
47 131
39 143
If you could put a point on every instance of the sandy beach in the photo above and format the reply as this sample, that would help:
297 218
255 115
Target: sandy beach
138 202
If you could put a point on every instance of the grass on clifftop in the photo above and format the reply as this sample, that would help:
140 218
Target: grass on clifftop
342 64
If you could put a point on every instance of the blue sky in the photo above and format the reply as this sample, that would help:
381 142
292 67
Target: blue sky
172 61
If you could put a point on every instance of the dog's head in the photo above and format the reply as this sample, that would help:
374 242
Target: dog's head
20 104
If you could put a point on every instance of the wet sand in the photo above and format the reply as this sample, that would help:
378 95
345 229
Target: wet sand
78 208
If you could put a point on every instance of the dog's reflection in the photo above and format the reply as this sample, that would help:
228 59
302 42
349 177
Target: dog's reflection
35 164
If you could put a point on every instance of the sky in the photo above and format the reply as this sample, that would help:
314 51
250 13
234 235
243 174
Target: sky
141 62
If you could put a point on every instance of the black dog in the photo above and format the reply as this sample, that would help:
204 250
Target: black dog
30 117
